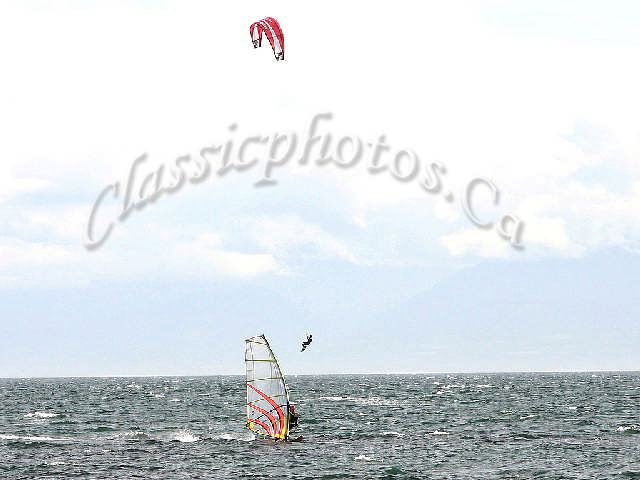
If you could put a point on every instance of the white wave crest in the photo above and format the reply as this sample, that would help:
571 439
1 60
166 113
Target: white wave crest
131 434
41 415
243 437
367 401
184 436
363 458
629 429
26 438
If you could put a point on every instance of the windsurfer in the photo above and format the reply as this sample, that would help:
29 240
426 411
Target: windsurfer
293 417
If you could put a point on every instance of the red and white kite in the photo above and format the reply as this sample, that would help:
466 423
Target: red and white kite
271 28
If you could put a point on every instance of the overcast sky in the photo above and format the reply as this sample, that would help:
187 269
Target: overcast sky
541 97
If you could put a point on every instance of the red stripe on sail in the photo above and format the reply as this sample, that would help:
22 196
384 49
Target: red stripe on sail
273 404
263 425
266 413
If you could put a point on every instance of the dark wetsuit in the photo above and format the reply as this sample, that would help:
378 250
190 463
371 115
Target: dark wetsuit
293 419
306 343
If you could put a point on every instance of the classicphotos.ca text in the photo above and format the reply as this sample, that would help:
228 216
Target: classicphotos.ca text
267 154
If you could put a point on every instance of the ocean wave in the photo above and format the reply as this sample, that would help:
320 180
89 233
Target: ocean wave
392 434
438 432
333 399
243 437
41 415
367 401
184 436
29 438
375 401
103 428
630 429
363 458
630 474
133 435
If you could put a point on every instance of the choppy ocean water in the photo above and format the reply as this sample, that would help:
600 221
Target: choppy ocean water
507 426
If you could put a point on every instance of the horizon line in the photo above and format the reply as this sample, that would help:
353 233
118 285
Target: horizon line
318 374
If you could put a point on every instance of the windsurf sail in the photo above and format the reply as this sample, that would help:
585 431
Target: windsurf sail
267 392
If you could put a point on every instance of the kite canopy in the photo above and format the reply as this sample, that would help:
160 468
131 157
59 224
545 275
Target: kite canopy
271 28
267 393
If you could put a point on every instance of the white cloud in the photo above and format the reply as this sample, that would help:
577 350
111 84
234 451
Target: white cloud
568 219
18 253
472 241
550 233
289 237
11 185
64 222
238 264
206 255
481 99
599 217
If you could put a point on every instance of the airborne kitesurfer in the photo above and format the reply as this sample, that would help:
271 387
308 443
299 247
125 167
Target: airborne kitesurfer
307 342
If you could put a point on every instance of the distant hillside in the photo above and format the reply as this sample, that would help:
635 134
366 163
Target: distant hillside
519 315
195 328
548 315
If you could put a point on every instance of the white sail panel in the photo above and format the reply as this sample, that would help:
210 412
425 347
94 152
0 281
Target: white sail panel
267 394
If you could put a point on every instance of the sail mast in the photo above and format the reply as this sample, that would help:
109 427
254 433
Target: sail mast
284 380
